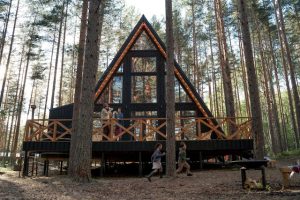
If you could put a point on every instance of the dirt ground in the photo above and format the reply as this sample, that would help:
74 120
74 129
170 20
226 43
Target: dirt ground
207 184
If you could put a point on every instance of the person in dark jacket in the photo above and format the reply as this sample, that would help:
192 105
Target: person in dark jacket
156 161
182 160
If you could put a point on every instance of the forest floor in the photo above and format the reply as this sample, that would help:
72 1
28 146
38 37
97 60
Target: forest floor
207 184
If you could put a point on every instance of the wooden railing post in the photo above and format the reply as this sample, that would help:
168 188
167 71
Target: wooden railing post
111 130
141 130
54 131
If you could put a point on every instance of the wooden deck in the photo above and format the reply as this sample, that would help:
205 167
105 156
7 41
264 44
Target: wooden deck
137 138
142 129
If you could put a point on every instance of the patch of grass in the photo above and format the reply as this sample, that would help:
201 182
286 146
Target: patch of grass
288 154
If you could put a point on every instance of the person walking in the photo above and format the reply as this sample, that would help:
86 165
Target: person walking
156 161
182 160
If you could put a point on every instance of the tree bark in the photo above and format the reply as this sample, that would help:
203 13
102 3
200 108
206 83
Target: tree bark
170 94
224 62
80 59
274 132
257 125
287 55
273 66
82 155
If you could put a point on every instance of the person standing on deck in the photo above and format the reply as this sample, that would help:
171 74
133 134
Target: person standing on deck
105 117
118 115
156 161
182 160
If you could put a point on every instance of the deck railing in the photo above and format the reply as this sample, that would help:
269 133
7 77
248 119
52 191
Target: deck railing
142 129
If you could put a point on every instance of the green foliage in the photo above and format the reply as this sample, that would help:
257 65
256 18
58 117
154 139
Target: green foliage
289 154
3 9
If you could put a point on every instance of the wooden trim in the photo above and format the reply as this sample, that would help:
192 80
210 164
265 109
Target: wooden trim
140 129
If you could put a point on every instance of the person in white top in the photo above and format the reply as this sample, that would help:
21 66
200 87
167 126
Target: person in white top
105 117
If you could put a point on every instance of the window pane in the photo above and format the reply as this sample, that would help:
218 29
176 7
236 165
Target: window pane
120 68
143 43
117 87
180 95
143 89
113 92
144 114
143 64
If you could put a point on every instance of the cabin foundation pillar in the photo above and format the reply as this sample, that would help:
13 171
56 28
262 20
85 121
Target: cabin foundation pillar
61 167
102 168
25 167
200 160
140 165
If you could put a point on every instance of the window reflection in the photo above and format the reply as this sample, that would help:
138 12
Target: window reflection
143 64
143 89
143 43
117 89
180 94
113 92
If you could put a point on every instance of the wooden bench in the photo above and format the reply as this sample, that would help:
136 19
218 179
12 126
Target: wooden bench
252 165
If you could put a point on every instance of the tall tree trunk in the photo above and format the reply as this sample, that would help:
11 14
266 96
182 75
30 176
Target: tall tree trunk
209 83
49 77
20 104
3 37
257 125
80 60
14 106
244 75
274 68
62 57
170 94
81 157
6 139
57 53
72 82
195 51
214 84
9 53
286 54
7 124
274 132
238 107
224 62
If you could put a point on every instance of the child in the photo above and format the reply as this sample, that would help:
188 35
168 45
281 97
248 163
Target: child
182 160
156 161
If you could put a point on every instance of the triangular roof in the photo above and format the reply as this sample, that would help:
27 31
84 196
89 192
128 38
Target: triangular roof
144 26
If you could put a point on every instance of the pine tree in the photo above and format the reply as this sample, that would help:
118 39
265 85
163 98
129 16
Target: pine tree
170 93
257 126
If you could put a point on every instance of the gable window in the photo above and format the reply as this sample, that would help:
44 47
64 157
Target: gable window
143 64
143 89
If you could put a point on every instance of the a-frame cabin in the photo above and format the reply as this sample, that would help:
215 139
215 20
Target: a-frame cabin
135 82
